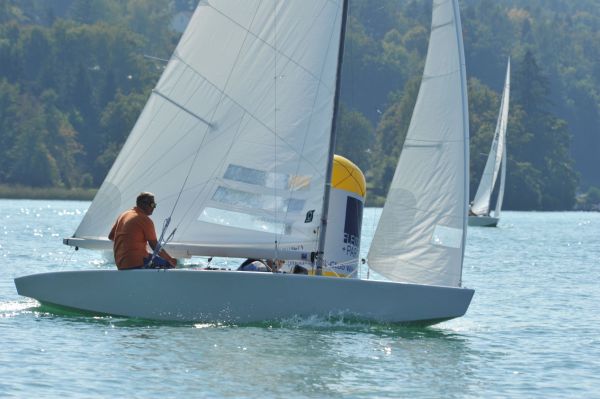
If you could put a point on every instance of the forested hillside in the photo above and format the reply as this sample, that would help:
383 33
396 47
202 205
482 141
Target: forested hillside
74 75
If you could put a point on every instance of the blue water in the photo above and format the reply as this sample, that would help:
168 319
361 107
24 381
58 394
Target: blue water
533 328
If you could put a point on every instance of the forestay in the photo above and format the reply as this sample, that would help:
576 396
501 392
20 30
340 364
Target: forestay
421 234
496 159
243 111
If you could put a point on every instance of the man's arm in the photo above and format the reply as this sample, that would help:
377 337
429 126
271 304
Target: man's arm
163 254
111 235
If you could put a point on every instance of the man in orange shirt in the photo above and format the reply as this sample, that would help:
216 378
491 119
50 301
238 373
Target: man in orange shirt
130 234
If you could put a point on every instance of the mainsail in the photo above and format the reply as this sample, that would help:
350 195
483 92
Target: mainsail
496 159
421 233
234 138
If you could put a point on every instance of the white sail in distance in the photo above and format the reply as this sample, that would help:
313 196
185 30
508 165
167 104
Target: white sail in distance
234 139
496 159
421 233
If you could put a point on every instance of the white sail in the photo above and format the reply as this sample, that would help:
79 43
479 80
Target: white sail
481 203
246 139
233 139
502 183
504 123
421 234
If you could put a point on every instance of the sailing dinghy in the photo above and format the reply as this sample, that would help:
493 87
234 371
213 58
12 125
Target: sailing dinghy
481 214
236 141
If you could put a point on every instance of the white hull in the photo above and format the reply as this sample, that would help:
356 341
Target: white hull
241 297
483 221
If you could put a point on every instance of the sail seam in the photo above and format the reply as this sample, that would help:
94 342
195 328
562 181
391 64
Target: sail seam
217 106
436 27
316 96
249 113
272 47
443 75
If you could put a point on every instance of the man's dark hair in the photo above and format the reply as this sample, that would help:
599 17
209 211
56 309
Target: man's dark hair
144 198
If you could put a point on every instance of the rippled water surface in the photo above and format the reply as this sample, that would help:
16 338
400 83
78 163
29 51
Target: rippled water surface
533 328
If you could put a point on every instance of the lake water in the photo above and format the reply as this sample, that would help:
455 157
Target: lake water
533 328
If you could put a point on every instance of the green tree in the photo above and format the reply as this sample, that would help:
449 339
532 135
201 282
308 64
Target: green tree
117 120
85 114
31 161
354 138
545 140
483 113
389 138
9 95
62 141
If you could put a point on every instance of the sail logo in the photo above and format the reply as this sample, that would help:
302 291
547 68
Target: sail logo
309 216
352 227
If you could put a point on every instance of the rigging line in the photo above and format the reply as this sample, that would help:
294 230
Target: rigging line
263 124
210 125
145 173
332 138
290 59
278 236
301 152
212 178
155 58
153 117
465 128
169 124
275 81
134 141
64 258
248 113
160 106
350 67
176 56
145 176
374 227
223 96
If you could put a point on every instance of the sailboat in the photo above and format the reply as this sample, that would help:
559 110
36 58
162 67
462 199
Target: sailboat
481 214
237 140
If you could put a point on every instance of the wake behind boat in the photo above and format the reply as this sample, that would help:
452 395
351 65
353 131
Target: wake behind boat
247 125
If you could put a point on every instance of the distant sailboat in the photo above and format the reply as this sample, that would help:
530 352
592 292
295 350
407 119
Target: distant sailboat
481 214
237 142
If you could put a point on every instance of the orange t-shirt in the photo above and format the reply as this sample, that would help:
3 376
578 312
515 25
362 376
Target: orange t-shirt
131 233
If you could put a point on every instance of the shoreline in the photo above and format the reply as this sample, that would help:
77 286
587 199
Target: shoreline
49 193
87 194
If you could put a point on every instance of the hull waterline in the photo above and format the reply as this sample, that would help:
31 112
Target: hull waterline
241 297
483 221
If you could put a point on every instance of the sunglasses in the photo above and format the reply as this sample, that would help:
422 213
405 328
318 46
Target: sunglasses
152 205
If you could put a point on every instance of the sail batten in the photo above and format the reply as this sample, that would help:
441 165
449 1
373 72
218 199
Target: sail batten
421 233
183 108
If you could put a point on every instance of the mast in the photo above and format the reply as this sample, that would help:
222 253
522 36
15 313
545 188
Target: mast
325 209
465 115
505 100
